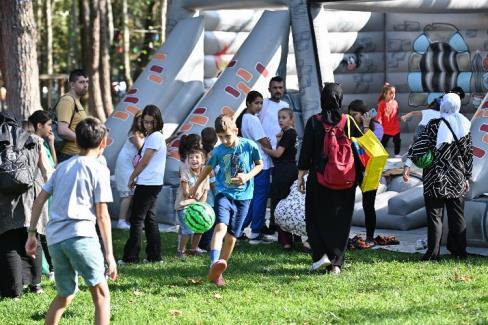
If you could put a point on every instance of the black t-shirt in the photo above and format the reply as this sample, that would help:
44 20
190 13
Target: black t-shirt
288 141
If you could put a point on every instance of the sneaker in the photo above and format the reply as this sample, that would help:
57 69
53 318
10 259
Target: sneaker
122 224
260 239
220 281
180 254
268 231
197 252
36 288
335 270
323 262
146 261
51 276
121 262
216 271
243 237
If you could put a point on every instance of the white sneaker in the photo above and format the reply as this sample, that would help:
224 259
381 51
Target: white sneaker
323 262
261 239
121 262
51 276
122 224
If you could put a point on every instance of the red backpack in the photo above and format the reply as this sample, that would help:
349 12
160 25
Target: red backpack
338 171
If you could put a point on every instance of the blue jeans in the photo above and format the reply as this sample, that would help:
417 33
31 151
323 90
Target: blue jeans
256 216
231 213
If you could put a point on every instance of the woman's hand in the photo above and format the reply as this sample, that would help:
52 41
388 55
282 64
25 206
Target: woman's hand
406 174
366 118
300 185
132 182
466 188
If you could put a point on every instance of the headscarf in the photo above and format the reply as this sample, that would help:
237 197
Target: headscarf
331 102
450 107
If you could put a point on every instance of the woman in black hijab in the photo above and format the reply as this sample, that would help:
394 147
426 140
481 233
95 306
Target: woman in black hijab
328 212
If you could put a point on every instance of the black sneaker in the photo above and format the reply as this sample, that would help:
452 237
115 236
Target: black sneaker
261 239
268 231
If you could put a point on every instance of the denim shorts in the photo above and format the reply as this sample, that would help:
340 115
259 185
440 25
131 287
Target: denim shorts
78 255
231 212
184 230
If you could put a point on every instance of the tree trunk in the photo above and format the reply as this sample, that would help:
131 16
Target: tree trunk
95 102
105 80
74 54
18 29
110 22
146 50
126 38
85 33
49 49
164 6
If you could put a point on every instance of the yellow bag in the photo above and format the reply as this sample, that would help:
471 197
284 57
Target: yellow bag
375 160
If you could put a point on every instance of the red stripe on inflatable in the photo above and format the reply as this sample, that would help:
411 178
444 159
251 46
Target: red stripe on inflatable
132 109
200 110
132 91
159 56
132 100
157 68
262 69
478 152
121 115
243 87
485 104
244 74
232 91
484 127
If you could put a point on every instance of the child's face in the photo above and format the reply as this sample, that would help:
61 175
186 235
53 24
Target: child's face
356 116
228 138
390 95
148 122
255 106
195 161
284 119
45 130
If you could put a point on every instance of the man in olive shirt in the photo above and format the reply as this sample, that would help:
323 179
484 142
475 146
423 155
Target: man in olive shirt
70 112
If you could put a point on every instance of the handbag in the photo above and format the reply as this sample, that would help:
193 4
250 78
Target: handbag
372 156
137 158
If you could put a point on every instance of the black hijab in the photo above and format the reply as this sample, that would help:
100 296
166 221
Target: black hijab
331 102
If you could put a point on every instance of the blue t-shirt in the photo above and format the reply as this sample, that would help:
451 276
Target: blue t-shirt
232 161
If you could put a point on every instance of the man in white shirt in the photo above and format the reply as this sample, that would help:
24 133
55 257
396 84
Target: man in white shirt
269 113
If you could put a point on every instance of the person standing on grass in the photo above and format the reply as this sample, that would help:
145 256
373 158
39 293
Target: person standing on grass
70 112
80 190
239 161
147 179
250 128
269 121
42 124
124 166
360 112
447 179
188 176
328 211
388 118
285 169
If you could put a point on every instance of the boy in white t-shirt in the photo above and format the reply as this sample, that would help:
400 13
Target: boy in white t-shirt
80 190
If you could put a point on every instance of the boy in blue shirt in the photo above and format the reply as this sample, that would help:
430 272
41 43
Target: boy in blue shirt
239 161
80 189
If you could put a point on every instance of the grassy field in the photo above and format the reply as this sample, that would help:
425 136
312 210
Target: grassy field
268 286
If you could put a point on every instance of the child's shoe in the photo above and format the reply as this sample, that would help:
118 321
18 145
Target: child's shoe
51 276
122 224
216 271
180 254
323 262
197 252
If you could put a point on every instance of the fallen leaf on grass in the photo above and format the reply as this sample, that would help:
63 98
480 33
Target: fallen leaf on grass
173 286
296 277
462 277
195 281
218 296
175 312
138 293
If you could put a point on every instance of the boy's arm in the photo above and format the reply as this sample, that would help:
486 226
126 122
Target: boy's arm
103 221
31 244
204 174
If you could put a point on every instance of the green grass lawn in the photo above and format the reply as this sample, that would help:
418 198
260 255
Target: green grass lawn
268 286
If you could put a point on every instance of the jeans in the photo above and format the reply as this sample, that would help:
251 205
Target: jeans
256 215
144 213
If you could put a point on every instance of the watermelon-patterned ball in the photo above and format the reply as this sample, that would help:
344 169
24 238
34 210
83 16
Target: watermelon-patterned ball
199 217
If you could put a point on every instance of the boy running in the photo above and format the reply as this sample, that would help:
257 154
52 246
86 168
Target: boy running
80 189
239 161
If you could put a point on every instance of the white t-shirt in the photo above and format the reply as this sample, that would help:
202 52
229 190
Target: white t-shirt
429 114
252 129
269 119
153 174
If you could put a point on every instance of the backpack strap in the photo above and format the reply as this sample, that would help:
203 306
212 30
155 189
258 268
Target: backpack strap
76 110
454 136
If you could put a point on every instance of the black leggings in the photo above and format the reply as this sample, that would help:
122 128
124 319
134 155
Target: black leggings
16 268
369 198
397 142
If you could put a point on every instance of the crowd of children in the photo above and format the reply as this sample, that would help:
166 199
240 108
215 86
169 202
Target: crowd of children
256 160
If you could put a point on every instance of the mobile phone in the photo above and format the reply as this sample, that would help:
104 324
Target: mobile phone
373 112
